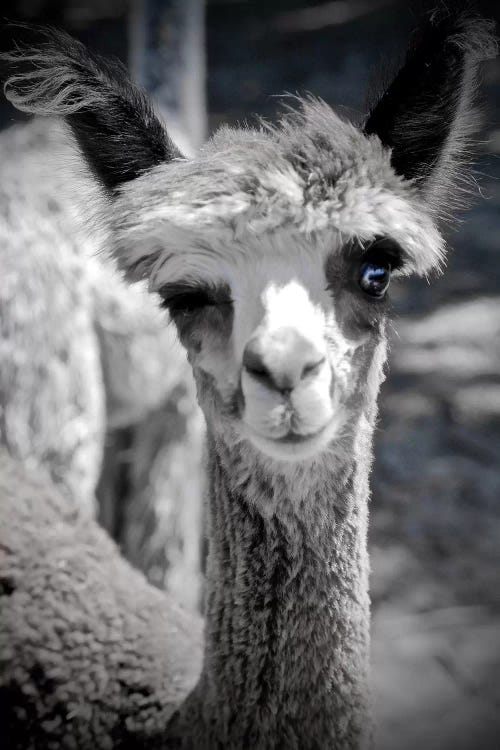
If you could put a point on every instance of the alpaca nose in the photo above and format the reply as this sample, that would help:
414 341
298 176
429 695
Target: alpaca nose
282 359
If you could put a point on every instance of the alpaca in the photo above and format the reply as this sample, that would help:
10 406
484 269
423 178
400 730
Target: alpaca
85 356
104 370
92 656
52 401
273 251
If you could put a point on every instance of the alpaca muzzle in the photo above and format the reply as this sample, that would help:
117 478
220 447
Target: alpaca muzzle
282 360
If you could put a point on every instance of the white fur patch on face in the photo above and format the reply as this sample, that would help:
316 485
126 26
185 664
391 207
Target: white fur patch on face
290 306
297 419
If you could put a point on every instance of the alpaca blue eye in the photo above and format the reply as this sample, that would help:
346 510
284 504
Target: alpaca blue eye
374 279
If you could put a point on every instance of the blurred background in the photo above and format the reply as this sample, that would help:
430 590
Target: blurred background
435 509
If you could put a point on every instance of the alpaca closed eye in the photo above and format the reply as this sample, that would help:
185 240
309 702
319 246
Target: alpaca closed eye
187 303
179 300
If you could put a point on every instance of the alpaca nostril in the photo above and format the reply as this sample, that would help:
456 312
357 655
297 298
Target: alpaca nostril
312 368
282 361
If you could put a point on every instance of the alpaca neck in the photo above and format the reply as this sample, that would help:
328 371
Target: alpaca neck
286 612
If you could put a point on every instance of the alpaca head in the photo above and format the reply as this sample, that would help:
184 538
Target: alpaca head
273 249
273 252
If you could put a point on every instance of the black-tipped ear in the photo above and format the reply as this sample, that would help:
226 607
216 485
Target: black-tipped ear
112 120
427 115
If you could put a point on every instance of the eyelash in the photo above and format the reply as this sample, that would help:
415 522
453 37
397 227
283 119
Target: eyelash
384 255
188 300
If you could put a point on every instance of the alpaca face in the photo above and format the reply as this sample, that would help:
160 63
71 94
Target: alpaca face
285 336
275 271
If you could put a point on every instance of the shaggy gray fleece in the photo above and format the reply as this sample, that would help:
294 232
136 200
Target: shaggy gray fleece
86 645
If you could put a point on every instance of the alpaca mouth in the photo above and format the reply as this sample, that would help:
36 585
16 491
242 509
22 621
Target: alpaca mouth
294 446
294 438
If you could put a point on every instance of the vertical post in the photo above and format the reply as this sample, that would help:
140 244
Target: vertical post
167 58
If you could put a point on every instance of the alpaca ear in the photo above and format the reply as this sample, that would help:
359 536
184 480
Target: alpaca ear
111 119
427 115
